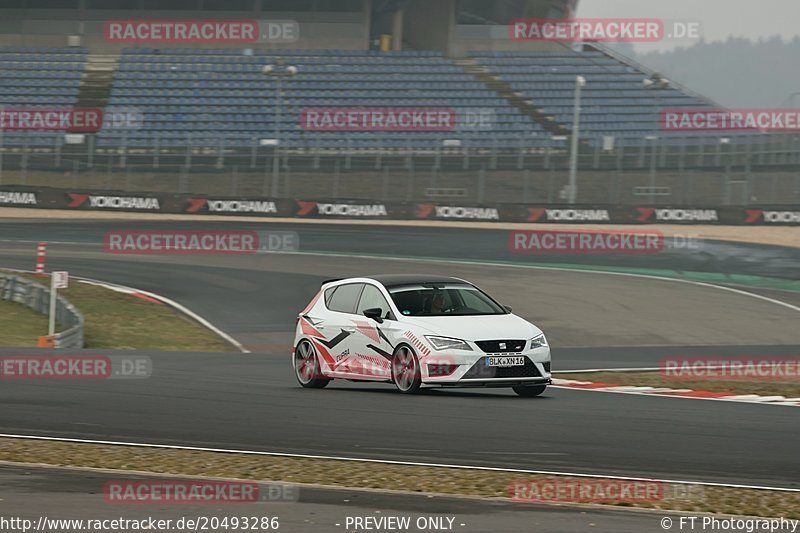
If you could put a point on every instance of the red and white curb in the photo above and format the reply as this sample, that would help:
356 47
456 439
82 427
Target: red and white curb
675 393
124 290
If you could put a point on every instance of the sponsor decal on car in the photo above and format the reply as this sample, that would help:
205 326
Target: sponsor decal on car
542 214
418 344
457 212
651 214
340 210
18 198
264 207
368 330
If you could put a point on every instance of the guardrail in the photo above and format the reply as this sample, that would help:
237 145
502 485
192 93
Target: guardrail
37 297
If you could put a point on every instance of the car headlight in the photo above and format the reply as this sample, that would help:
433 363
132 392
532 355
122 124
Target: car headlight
446 343
539 342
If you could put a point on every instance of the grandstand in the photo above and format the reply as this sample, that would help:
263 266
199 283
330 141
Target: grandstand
213 120
46 77
208 96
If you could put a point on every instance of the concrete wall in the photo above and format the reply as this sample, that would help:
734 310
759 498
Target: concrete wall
493 38
429 25
348 31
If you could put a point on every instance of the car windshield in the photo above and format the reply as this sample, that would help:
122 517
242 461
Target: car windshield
444 300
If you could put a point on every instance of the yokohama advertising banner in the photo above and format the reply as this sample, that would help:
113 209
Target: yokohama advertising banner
365 209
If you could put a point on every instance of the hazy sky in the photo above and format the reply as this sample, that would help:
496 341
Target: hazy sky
752 19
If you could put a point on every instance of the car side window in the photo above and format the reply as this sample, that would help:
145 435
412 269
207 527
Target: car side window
345 297
372 298
328 294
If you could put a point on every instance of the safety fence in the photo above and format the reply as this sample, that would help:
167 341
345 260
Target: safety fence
692 173
37 297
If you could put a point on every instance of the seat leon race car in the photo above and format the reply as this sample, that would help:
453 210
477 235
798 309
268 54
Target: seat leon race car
415 331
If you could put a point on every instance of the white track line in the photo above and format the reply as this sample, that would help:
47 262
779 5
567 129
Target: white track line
389 462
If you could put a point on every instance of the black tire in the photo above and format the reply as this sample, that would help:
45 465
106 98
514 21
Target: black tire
306 367
406 373
529 391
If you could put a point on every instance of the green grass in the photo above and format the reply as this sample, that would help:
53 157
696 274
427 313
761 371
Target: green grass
20 327
121 321
789 389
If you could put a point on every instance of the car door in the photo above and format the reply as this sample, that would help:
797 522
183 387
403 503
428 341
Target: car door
371 342
339 328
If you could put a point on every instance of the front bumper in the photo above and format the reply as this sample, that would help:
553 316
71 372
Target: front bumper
470 369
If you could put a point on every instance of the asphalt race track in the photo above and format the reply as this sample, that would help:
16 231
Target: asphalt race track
251 401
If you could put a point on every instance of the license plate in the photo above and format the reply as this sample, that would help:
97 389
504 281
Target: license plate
506 361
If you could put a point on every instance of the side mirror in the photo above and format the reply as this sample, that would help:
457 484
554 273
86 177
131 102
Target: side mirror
375 313
507 308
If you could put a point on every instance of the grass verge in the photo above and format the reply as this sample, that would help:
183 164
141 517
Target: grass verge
366 475
789 389
20 326
116 320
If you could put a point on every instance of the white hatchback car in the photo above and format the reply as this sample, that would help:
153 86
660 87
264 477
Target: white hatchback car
415 330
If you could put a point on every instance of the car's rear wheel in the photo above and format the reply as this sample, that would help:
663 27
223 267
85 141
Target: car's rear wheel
529 391
306 367
405 370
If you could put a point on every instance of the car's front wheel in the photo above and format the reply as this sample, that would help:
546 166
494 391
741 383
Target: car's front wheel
306 367
529 391
405 370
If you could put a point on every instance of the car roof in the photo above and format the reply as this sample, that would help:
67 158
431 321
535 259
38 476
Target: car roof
396 280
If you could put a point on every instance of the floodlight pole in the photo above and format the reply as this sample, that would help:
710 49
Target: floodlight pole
572 195
276 160
278 71
655 82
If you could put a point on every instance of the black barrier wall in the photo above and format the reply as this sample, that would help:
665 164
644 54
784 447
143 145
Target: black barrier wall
14 196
